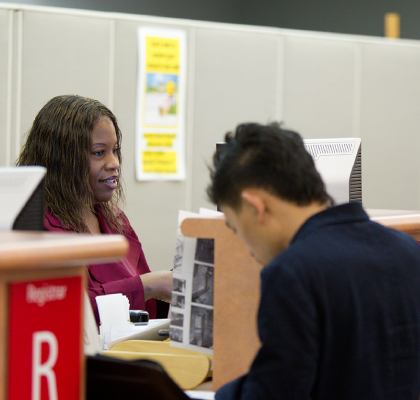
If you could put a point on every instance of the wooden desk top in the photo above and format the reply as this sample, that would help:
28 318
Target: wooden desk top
407 221
34 249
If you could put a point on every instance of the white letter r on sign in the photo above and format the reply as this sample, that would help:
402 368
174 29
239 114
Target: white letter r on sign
45 369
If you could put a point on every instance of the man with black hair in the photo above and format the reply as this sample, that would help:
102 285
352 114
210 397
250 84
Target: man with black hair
339 315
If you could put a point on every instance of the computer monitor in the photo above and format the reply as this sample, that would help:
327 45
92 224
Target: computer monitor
339 162
22 198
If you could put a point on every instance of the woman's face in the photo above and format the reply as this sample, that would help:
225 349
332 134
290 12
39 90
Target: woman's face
104 163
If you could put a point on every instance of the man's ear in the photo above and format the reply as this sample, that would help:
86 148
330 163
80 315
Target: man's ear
256 201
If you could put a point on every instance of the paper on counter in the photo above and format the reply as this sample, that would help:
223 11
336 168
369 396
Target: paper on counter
150 331
92 340
114 309
200 394
192 292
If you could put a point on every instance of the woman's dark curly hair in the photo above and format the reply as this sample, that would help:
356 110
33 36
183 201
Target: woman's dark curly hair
59 140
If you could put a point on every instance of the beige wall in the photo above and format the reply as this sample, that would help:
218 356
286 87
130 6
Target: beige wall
322 85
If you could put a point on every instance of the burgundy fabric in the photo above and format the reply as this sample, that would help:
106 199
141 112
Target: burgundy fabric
115 277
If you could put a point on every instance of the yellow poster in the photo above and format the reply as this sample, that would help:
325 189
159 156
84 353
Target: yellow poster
161 104
162 55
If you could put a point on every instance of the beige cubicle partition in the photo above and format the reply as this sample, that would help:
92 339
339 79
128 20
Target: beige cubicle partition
237 290
46 257
322 85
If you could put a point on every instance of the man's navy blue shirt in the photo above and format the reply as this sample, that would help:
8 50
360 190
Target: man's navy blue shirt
339 316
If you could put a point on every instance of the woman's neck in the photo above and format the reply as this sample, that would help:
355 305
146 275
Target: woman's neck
91 221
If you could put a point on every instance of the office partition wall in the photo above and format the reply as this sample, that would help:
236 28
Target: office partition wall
322 85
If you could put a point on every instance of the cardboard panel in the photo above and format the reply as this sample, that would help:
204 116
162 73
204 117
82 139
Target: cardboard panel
236 299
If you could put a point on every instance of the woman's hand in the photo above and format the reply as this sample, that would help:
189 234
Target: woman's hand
157 285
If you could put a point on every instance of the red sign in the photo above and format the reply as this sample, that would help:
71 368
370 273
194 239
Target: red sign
45 339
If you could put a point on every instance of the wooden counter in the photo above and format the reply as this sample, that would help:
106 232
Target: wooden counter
39 258
31 250
407 221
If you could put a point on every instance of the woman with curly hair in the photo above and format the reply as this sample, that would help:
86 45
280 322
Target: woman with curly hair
78 141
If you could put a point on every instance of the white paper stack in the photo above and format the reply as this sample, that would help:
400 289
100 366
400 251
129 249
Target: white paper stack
115 327
114 310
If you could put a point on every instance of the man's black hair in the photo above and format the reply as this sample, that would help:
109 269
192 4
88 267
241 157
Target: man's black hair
266 157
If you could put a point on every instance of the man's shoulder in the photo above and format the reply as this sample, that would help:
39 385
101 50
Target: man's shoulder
335 249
